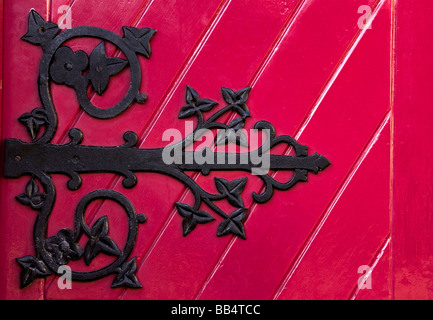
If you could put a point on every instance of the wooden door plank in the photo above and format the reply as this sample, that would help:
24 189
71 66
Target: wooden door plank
275 48
32 54
230 45
157 73
167 240
412 238
159 16
347 236
1 81
380 278
340 128
16 221
101 15
254 15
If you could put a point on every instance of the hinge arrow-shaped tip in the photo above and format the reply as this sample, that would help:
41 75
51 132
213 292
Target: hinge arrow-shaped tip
321 163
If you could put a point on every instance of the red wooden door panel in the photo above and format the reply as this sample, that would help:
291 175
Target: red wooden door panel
358 95
412 246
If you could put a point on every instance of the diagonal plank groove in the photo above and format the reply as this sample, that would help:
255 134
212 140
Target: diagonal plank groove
373 263
283 31
340 68
219 12
268 57
310 239
337 70
345 57
143 8
64 17
80 112
185 67
174 84
273 49
277 42
259 71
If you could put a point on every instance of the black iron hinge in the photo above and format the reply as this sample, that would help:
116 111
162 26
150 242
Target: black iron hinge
40 158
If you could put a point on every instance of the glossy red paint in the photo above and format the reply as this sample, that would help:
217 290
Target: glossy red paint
361 97
412 248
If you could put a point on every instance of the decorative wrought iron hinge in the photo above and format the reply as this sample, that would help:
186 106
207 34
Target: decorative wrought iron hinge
40 158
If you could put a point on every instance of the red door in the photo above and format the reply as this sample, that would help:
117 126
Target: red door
349 79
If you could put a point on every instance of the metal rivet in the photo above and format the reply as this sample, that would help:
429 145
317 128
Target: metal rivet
69 66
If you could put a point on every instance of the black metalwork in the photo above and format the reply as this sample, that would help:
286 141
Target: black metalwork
40 158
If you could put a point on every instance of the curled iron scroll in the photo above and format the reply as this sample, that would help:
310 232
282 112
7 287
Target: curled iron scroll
39 158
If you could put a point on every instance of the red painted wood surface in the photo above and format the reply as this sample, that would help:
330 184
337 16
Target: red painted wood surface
412 248
361 97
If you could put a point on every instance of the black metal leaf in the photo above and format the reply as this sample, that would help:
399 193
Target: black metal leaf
32 268
237 100
191 95
242 110
231 136
233 224
195 104
102 67
191 217
232 190
34 121
238 97
32 197
139 39
205 104
229 95
187 111
39 31
242 94
100 242
237 123
126 275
